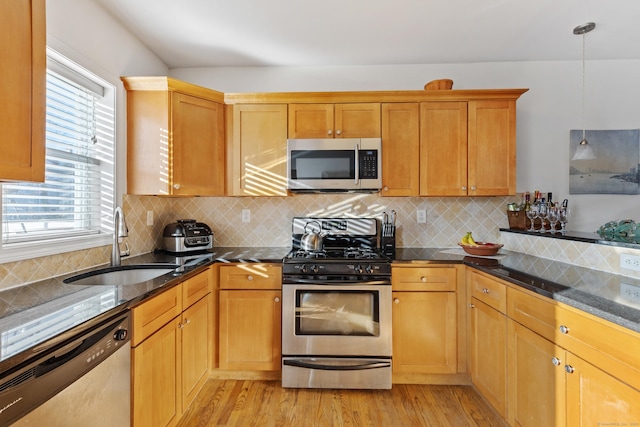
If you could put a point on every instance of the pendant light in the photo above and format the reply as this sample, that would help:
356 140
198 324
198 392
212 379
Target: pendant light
584 151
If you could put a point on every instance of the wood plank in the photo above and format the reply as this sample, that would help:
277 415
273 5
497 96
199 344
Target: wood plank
266 403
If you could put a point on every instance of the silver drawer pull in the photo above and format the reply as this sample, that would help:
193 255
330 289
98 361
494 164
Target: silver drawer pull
485 290
556 361
564 329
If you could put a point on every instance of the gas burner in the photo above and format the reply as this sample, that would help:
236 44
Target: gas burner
300 253
360 253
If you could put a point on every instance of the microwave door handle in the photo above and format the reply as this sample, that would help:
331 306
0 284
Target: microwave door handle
357 165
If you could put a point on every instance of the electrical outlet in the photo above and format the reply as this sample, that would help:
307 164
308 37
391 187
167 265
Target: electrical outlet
630 292
421 216
149 217
246 215
630 262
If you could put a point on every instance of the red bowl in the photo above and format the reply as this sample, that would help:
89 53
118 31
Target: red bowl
482 248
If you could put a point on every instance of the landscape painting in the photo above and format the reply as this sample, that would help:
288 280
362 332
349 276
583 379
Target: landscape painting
614 170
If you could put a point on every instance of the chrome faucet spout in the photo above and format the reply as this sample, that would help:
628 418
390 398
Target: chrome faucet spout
119 230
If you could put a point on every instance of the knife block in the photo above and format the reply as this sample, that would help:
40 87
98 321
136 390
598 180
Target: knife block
388 240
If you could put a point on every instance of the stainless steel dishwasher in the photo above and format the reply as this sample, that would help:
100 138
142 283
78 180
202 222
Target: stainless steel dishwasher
83 382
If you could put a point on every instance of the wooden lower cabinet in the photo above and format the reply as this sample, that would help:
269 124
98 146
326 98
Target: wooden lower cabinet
488 353
170 359
155 378
595 398
535 383
424 332
250 330
196 336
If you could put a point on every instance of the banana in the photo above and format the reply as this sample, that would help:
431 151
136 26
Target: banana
470 240
467 239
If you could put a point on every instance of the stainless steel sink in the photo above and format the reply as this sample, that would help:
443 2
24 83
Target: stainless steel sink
121 275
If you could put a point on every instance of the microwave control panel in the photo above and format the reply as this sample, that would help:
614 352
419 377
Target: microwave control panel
368 164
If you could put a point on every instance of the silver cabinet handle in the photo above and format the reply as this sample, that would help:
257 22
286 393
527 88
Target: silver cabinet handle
176 186
338 132
569 369
277 299
473 188
385 188
471 305
556 361
464 188
423 279
485 290
329 132
396 300
249 277
564 329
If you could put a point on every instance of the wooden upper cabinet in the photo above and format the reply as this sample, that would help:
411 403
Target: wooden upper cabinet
357 120
443 149
257 150
23 88
468 148
400 149
175 138
492 148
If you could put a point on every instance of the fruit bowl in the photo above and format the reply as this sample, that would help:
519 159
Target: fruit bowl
482 248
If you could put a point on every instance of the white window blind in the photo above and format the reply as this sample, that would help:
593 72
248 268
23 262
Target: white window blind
78 193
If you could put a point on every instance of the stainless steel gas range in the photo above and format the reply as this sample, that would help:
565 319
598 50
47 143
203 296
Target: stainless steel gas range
336 307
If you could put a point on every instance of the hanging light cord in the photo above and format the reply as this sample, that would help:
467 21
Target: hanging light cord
584 86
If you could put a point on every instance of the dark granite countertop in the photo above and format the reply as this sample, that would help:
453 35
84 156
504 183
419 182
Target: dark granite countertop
609 296
24 308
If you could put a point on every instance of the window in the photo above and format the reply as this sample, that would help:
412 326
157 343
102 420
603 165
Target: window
76 200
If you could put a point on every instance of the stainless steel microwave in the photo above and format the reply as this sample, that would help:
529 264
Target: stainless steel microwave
341 164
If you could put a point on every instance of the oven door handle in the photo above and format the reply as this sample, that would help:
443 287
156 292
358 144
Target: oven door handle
356 366
342 282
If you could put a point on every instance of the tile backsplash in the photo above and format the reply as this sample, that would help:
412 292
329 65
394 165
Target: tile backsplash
270 225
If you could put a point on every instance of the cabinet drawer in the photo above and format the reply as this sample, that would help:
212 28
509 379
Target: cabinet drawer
423 278
535 313
196 287
610 347
154 313
251 276
489 291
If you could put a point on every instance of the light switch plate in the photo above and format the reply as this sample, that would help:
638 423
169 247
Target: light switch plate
421 216
149 217
246 215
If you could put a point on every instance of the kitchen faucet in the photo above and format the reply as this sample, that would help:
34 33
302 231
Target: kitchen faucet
119 230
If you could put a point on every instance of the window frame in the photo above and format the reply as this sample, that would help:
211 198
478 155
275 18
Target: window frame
33 249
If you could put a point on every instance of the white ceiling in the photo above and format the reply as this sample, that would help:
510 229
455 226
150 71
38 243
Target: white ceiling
237 33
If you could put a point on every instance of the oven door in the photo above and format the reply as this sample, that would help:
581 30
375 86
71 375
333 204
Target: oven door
334 164
336 319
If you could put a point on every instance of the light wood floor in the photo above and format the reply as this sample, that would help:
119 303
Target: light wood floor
266 403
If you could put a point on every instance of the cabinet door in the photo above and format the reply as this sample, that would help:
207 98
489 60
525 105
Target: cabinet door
250 330
258 151
488 345
156 378
596 398
443 149
535 379
196 339
492 148
197 149
23 89
361 120
310 121
400 149
424 332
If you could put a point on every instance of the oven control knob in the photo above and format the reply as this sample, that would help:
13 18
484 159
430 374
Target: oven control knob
368 269
303 268
314 269
358 269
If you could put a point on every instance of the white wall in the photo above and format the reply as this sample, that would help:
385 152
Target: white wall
546 113
83 32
